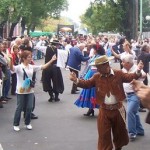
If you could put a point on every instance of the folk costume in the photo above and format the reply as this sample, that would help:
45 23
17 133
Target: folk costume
87 98
52 77
110 96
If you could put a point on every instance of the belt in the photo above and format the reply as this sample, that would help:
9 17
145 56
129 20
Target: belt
111 107
130 93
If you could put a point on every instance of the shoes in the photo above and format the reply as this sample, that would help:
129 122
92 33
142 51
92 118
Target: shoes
8 97
74 92
13 94
4 99
4 102
119 148
33 116
132 137
29 127
16 128
89 113
57 99
51 99
1 106
140 134
77 90
142 110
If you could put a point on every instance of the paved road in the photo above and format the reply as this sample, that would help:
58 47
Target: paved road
61 125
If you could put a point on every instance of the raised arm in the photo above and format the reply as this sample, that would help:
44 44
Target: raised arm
49 62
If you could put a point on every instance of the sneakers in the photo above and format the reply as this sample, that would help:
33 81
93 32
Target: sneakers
132 137
29 127
16 128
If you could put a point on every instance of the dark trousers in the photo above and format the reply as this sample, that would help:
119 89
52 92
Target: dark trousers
14 83
74 86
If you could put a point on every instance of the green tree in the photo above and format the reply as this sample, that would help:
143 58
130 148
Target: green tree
102 17
30 12
114 16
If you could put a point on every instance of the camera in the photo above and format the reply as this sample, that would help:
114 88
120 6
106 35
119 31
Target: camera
32 83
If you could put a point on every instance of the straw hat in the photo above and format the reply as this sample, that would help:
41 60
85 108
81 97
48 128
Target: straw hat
55 42
101 60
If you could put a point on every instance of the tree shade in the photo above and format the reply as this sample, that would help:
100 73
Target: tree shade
37 34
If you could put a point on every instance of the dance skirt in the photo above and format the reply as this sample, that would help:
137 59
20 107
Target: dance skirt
87 98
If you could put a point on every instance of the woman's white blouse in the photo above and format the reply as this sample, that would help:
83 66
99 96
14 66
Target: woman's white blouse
20 74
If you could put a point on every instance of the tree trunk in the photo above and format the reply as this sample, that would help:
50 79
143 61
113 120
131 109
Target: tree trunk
1 31
129 22
28 29
23 26
12 29
32 27
1 28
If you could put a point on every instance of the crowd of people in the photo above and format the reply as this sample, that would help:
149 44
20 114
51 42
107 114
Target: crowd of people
99 82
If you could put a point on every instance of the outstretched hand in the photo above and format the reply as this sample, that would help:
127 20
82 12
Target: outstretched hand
54 58
73 76
136 85
143 92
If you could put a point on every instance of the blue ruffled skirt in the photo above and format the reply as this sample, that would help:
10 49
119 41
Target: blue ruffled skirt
87 98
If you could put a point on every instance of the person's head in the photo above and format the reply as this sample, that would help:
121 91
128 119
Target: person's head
145 48
126 46
26 42
146 40
0 47
18 41
98 49
128 61
26 56
102 64
15 49
81 46
105 39
56 43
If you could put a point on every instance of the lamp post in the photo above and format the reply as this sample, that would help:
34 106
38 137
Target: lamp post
141 17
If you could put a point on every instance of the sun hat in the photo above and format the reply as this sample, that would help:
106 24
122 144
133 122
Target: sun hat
101 60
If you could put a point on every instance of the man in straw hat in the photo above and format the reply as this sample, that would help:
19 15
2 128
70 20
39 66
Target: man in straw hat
110 96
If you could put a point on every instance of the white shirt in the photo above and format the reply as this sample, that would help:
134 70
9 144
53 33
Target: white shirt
122 55
67 47
20 74
61 58
127 86
111 99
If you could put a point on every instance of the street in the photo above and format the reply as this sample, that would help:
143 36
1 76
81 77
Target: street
61 125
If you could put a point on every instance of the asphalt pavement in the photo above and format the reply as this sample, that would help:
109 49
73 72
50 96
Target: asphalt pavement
61 125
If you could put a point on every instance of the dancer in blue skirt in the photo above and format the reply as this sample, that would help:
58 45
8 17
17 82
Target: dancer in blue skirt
87 96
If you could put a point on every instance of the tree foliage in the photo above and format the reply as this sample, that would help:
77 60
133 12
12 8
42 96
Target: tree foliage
113 15
30 12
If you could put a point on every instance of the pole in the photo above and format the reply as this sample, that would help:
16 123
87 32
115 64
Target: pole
141 17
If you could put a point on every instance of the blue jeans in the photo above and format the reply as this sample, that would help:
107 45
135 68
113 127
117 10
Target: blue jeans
22 100
133 119
6 84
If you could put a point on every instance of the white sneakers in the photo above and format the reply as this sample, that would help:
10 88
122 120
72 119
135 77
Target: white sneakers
29 127
16 128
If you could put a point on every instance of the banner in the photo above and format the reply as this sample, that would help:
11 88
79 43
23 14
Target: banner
65 30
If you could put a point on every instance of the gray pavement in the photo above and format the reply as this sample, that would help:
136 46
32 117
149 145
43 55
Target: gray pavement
61 125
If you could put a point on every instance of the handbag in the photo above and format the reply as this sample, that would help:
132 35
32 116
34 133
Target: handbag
32 82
